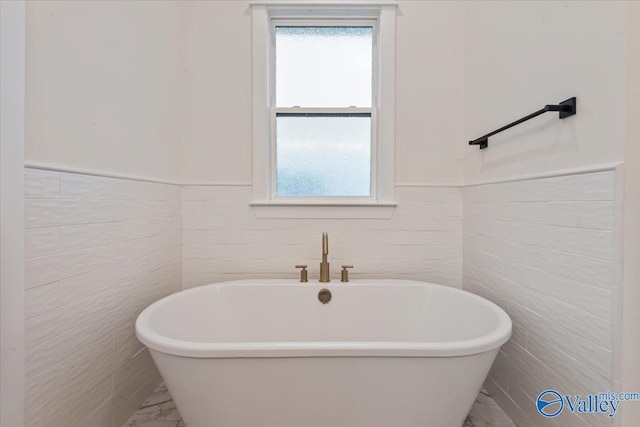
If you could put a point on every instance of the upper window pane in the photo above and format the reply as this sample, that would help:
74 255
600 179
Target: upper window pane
323 66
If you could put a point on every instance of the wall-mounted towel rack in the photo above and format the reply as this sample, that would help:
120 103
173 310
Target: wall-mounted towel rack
566 109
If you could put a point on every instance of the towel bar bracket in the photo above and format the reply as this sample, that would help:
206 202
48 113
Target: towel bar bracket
568 108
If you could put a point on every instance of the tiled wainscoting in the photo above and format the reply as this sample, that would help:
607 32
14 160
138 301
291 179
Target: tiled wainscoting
224 241
545 251
98 251
101 249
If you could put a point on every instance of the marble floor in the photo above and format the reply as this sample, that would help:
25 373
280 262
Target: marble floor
160 411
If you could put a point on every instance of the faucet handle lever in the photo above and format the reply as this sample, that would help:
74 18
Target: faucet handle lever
345 273
303 273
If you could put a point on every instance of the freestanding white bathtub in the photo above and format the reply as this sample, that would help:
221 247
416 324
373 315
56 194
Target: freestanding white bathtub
268 353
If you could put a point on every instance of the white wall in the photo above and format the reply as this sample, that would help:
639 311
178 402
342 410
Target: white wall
222 238
12 75
98 251
104 93
430 92
217 138
631 230
224 241
523 55
163 90
178 87
520 56
544 250
429 125
104 85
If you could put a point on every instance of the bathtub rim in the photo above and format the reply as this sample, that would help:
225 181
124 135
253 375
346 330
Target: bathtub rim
158 342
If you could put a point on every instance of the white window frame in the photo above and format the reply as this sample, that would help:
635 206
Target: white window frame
381 15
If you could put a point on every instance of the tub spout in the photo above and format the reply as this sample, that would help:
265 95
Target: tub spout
324 265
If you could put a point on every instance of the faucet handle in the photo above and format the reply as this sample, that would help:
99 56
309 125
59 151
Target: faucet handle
303 273
345 273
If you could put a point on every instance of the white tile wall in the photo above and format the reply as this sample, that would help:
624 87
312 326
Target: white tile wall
544 250
224 241
98 251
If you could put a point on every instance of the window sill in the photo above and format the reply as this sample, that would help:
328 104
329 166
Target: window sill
323 210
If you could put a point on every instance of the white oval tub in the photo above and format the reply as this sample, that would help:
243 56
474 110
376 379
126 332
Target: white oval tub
267 353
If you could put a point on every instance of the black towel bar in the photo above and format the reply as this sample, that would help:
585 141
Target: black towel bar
566 109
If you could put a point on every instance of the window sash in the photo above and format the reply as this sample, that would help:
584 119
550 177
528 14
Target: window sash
324 112
369 111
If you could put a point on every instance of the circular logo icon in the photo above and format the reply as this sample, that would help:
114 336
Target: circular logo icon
549 403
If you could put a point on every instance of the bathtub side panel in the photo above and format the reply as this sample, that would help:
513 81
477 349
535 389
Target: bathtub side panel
316 392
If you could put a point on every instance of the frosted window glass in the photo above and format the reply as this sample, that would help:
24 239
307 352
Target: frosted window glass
323 155
324 66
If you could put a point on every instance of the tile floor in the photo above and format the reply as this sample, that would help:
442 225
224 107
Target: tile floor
485 412
160 411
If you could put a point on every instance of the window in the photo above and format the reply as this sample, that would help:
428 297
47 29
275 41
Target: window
323 109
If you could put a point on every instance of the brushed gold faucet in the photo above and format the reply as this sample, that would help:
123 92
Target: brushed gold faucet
324 265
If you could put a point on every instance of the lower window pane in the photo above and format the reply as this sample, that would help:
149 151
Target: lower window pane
323 155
